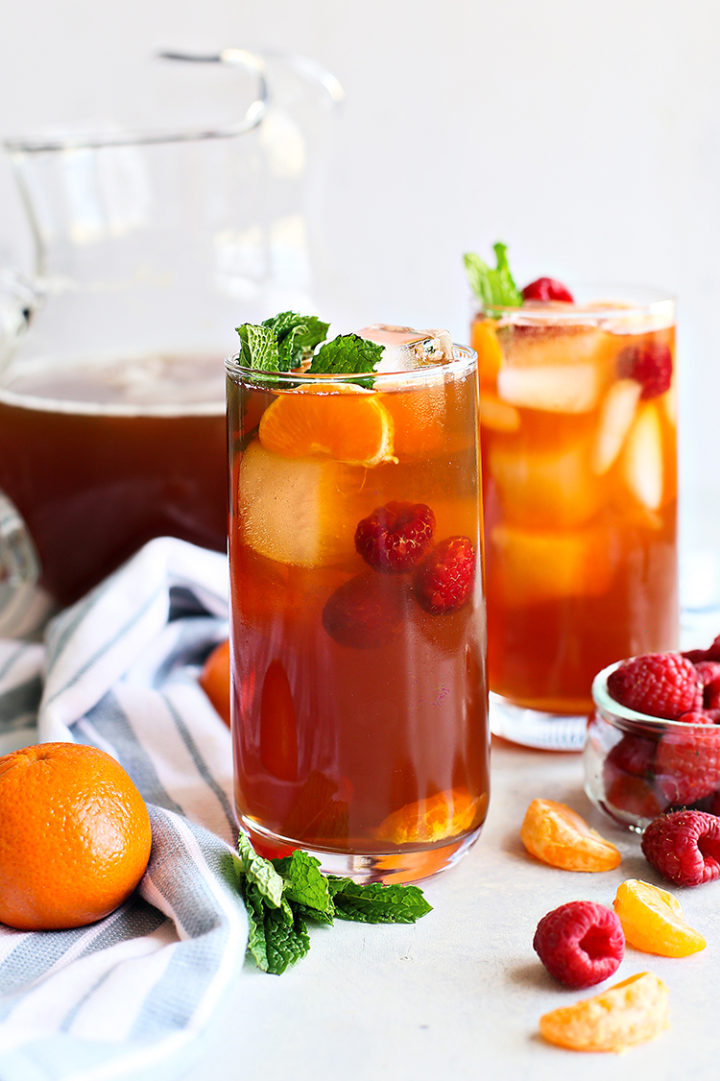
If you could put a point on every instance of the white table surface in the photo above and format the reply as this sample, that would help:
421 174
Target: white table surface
458 995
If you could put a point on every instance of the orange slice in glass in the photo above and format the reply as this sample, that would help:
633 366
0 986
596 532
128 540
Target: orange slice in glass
427 821
628 1013
341 421
559 836
653 922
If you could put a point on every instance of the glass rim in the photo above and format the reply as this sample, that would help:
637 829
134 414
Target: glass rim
605 301
629 720
64 139
464 358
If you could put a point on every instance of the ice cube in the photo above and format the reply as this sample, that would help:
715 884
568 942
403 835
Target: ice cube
298 511
642 459
550 488
404 348
552 345
554 388
527 567
617 411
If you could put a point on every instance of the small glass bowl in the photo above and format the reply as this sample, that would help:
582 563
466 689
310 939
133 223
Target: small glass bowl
637 766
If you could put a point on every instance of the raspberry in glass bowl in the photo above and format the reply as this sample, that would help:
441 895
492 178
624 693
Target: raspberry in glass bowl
653 739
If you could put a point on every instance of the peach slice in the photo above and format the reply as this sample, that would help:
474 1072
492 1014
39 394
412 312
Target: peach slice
617 411
555 834
653 922
628 1013
531 566
642 458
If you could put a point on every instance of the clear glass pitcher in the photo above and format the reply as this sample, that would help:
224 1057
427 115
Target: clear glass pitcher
151 244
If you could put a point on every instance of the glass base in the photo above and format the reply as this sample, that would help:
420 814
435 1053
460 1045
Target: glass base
534 728
398 866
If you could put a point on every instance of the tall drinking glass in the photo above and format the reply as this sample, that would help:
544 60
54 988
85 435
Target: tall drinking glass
578 432
359 704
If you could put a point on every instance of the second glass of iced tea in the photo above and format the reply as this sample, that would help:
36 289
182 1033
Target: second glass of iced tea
359 702
578 432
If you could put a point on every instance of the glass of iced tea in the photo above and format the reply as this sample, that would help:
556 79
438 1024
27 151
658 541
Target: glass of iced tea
359 703
578 433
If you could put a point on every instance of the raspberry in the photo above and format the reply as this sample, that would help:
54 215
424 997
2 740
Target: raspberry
627 777
659 684
687 764
649 364
365 612
698 716
580 943
709 674
633 754
547 289
684 846
394 537
444 579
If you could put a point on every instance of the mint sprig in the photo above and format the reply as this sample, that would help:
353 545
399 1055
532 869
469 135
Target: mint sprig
288 341
493 286
282 895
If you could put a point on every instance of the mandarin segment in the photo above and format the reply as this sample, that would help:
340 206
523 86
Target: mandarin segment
75 838
341 421
653 922
427 821
557 835
628 1013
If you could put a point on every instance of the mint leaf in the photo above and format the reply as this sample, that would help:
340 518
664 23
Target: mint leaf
277 937
257 943
297 336
285 943
346 355
259 872
495 288
375 903
304 883
258 347
280 895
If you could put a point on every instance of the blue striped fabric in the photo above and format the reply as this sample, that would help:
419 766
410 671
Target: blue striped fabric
131 996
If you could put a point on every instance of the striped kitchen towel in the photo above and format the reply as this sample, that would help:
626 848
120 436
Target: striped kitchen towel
130 996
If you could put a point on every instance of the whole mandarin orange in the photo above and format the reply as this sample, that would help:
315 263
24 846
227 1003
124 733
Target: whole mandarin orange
75 836
215 679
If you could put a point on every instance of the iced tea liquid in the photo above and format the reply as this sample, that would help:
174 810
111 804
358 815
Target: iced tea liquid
101 458
578 434
359 716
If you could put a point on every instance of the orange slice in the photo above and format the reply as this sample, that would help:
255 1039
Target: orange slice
489 351
628 1013
426 821
341 421
559 836
653 922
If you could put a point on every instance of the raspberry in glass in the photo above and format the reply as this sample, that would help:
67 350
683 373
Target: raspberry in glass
659 684
444 579
396 536
649 364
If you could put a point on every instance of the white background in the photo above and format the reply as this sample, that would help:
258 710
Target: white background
585 135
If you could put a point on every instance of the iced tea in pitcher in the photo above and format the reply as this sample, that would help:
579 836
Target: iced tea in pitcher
578 434
358 632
